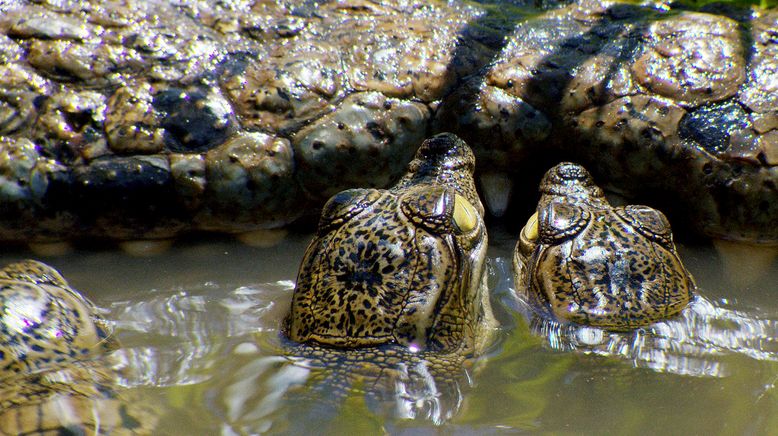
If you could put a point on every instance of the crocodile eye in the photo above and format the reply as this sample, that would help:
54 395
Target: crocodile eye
648 221
345 205
429 207
465 215
531 230
559 221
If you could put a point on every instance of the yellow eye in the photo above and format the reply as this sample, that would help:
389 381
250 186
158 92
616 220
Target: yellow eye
530 231
465 215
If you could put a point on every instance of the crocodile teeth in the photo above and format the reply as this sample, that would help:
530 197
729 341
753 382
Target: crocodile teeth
497 189
46 249
145 248
745 264
262 238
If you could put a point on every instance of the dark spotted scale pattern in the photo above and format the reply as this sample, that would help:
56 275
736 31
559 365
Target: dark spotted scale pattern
399 266
582 260
55 372
43 320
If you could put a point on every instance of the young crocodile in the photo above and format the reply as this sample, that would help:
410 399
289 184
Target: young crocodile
583 260
399 266
395 278
56 377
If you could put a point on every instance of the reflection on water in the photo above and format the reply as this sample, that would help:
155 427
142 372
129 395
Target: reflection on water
691 344
298 388
192 325
200 332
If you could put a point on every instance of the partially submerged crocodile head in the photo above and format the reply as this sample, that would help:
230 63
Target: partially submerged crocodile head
55 377
588 262
403 265
43 321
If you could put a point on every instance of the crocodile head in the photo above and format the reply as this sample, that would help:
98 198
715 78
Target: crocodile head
403 265
585 261
43 321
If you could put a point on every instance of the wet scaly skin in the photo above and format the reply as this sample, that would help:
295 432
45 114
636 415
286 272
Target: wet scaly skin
144 120
391 292
56 377
399 266
582 260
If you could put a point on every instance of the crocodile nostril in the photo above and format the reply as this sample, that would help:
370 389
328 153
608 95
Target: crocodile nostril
570 171
438 146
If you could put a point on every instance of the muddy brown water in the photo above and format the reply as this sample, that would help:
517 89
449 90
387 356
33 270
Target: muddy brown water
200 323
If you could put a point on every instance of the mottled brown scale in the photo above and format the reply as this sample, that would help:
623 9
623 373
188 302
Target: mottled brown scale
55 375
43 318
399 266
585 261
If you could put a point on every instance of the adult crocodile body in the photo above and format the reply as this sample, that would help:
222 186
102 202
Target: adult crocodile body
131 120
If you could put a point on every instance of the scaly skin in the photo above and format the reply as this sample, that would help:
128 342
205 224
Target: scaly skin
399 266
582 260
55 372
394 280
132 120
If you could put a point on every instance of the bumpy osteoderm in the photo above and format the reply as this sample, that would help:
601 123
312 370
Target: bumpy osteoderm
147 119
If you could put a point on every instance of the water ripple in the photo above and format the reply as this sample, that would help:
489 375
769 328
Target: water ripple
695 343
173 337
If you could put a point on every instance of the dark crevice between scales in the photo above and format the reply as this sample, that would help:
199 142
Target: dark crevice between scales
623 20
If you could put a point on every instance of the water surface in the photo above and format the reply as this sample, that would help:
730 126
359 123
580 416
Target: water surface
200 330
